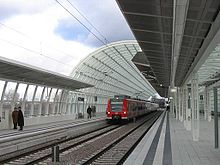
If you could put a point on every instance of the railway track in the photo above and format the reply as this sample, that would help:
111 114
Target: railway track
110 145
99 150
117 152
43 152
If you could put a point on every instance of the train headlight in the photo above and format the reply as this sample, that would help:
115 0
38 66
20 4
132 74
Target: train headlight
125 112
108 112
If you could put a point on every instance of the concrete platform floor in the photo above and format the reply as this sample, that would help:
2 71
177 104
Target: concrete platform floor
185 151
171 144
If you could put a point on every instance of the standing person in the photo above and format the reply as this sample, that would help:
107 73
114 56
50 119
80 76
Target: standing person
89 111
15 117
20 118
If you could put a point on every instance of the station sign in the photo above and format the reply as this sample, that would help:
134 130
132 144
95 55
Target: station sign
80 98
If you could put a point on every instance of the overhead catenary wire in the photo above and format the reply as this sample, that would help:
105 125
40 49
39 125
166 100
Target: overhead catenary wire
27 36
97 37
35 52
81 23
88 21
88 28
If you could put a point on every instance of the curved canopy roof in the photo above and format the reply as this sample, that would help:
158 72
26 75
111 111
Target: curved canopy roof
14 70
176 36
112 72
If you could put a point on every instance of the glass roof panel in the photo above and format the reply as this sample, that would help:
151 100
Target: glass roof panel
210 70
114 71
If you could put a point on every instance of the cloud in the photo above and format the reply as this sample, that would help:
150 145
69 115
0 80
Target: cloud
104 15
9 8
37 44
43 34
71 31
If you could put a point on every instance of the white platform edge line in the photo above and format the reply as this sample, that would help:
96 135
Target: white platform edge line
158 159
140 152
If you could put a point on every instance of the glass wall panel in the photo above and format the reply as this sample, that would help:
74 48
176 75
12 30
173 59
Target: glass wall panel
38 93
44 108
53 93
51 108
2 84
68 108
30 92
21 90
9 92
27 109
46 94
5 107
36 109
58 109
57 98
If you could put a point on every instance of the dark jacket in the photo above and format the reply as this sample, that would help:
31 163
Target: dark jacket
89 110
20 118
15 116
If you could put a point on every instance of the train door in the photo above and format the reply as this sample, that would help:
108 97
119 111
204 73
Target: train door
130 107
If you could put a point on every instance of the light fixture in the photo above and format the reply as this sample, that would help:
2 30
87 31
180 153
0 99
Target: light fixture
173 90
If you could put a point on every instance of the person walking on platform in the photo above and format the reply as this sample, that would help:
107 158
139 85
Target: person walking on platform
20 118
89 111
15 117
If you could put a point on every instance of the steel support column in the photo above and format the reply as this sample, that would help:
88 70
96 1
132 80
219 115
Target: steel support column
185 105
188 110
48 102
195 107
216 127
41 102
209 106
172 106
181 103
177 103
206 103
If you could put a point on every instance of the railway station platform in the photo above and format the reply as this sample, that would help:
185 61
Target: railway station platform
169 143
28 128
13 140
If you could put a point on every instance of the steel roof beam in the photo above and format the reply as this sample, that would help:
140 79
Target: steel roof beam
180 9
209 44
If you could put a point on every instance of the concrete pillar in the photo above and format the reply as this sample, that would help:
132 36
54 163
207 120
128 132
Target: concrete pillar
181 103
48 102
41 102
1 106
209 106
206 103
2 98
188 110
172 106
65 102
32 102
177 103
53 103
216 125
185 106
195 107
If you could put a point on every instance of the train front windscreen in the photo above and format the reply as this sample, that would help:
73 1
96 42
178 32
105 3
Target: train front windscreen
116 105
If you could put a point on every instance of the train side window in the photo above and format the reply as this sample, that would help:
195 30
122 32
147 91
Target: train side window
134 107
129 107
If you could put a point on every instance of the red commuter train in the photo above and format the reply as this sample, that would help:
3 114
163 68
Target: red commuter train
125 108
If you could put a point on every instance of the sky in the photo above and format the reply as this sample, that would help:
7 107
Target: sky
56 34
